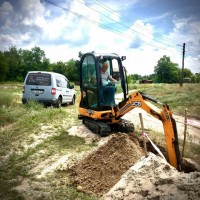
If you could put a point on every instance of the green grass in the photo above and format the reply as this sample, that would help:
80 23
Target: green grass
178 98
31 135
22 148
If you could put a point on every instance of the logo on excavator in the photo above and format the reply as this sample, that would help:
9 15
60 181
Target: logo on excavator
137 103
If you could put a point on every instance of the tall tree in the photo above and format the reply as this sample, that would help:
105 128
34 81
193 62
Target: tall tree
16 63
187 73
38 61
4 68
59 67
13 60
72 70
166 71
69 69
133 78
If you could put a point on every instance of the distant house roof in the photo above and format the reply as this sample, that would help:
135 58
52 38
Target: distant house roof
146 81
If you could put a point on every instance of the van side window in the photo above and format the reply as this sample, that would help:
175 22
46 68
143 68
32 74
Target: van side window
58 81
68 84
63 82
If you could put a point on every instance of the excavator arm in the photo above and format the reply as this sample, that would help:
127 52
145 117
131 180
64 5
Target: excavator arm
139 100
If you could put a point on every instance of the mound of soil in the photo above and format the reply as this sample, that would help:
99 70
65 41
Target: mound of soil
102 169
154 178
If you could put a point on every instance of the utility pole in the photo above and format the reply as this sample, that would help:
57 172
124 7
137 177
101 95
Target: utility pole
181 78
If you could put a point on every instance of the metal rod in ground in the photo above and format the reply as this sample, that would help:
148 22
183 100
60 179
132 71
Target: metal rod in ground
143 135
185 131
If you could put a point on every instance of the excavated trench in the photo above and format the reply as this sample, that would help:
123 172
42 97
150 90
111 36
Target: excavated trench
102 169
186 166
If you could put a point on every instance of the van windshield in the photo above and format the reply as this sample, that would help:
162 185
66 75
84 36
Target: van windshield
39 79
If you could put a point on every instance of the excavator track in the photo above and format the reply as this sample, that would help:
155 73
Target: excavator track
98 127
126 126
104 129
123 126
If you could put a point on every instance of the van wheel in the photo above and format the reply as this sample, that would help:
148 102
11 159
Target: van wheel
73 101
59 102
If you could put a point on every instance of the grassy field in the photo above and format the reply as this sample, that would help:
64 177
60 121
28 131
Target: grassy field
31 134
179 98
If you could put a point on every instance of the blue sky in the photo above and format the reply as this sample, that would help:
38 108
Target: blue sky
141 30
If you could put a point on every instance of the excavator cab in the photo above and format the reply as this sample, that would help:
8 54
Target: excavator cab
94 94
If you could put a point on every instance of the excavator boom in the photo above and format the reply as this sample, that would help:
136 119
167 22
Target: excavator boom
140 100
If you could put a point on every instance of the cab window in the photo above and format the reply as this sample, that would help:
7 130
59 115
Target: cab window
89 83
88 72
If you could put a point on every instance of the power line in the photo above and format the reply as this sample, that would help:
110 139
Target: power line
124 24
141 27
128 20
103 26
90 20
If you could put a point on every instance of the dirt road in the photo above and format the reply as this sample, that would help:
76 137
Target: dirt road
193 134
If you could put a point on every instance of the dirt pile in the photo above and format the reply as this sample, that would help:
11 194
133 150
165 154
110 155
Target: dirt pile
154 178
102 169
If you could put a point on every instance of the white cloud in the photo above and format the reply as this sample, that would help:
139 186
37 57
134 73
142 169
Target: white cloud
193 64
115 17
19 23
30 9
65 34
187 30
140 60
159 17
5 9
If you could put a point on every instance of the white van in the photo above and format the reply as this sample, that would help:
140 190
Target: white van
49 88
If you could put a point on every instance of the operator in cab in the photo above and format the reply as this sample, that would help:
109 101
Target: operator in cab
108 88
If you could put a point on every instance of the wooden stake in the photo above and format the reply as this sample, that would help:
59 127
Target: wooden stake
185 131
143 135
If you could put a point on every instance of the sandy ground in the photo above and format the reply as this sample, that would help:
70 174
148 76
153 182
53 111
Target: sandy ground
153 178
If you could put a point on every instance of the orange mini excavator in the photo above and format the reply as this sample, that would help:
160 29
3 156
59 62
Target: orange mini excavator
102 115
